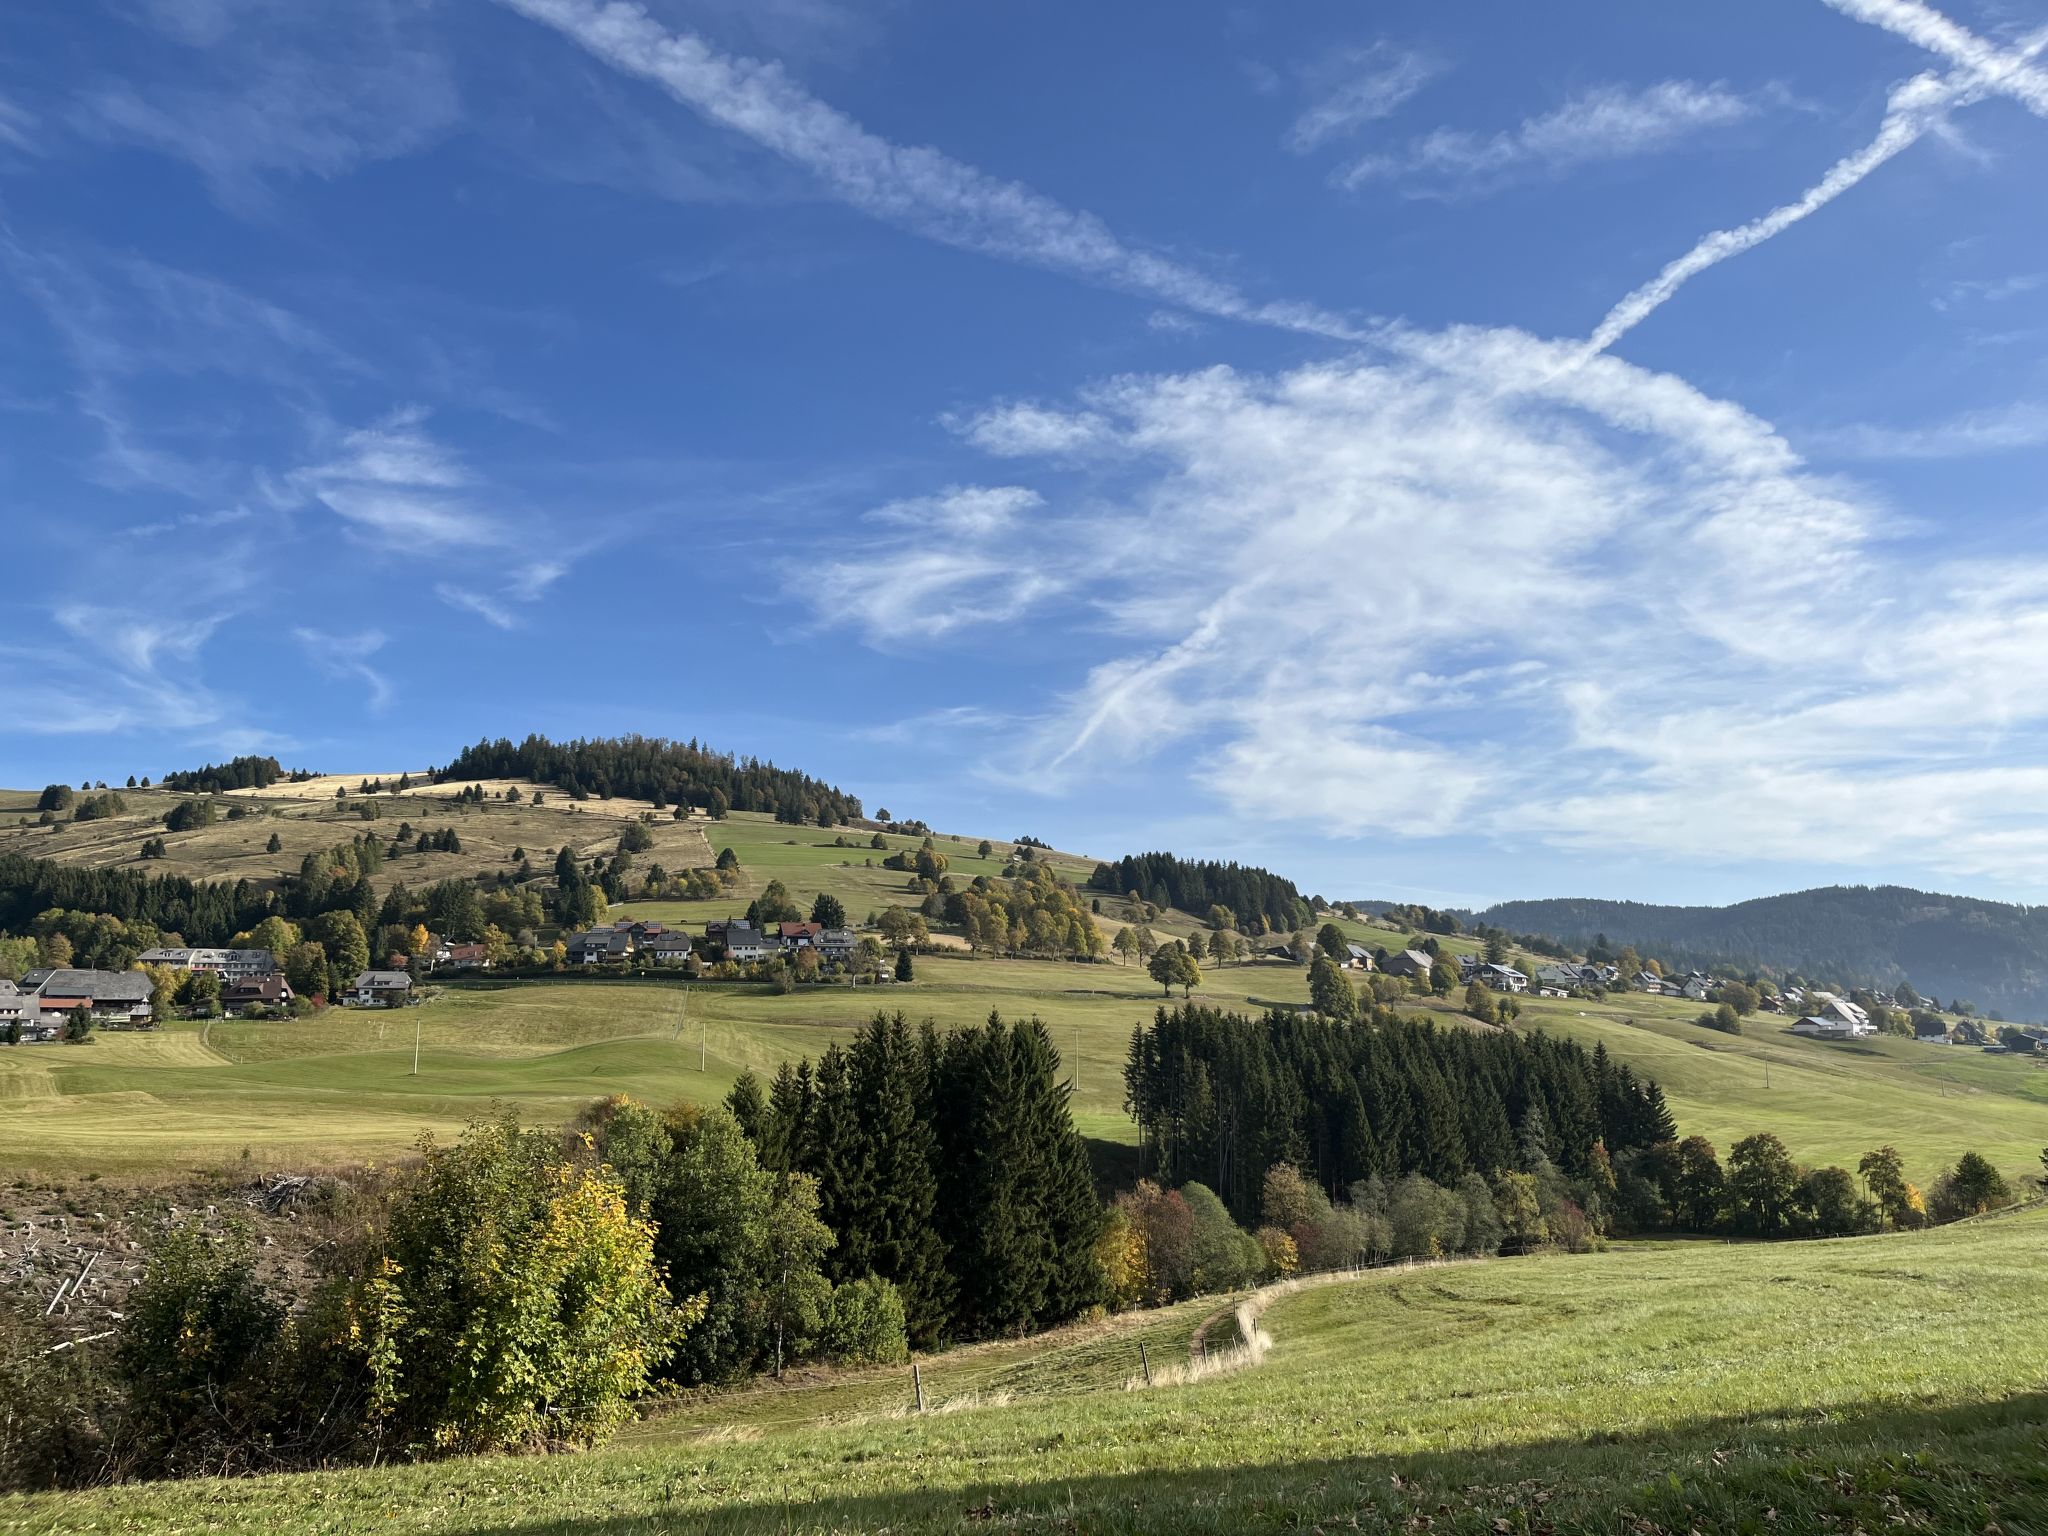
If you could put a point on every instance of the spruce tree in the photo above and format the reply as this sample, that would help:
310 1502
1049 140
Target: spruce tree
988 1233
1061 1194
896 1214
837 1154
748 1106
787 1126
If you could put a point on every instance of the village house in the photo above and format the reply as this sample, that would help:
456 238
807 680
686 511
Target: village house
1413 963
836 944
624 940
227 964
1501 978
795 936
1357 958
1841 1010
461 957
1831 1027
25 1009
379 989
1930 1030
741 940
111 997
253 992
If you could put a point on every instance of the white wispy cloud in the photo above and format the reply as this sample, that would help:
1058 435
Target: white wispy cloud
1359 86
1610 122
1995 430
2008 73
970 510
392 479
346 658
1918 107
1467 585
245 93
485 607
912 187
932 569
18 126
1992 290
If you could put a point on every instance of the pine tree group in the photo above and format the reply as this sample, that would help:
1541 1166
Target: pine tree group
948 1164
1221 1098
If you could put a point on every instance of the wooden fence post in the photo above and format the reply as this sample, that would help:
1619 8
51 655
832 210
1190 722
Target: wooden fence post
1144 1362
917 1385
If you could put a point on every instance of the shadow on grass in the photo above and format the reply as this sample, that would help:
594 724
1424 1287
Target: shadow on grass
1976 1469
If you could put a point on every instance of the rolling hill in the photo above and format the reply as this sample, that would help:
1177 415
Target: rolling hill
1991 953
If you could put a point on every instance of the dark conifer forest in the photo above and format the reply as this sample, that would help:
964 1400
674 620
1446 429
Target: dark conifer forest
1194 886
666 772
1220 1098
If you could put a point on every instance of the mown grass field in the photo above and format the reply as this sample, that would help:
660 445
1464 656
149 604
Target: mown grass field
340 1087
1868 1384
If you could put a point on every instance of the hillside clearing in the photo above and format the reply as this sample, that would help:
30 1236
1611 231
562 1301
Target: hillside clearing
1688 1386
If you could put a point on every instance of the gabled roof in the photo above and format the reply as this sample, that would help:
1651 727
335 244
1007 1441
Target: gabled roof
382 980
100 986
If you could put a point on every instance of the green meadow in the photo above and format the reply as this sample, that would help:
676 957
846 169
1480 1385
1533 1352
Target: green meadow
1887 1383
341 1086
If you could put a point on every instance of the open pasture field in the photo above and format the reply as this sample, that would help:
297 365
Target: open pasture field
1873 1383
340 1087
1830 1100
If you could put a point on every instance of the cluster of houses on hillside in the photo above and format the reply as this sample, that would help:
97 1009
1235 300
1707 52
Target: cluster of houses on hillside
43 999
735 939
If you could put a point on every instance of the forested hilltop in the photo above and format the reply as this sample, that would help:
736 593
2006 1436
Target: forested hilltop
1246 892
666 772
1991 953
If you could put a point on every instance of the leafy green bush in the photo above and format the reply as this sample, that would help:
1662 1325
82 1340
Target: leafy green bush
197 1351
517 1304
864 1324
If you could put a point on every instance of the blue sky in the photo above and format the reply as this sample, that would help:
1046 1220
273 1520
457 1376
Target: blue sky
1443 452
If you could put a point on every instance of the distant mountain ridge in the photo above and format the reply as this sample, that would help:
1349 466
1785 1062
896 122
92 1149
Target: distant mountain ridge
1991 953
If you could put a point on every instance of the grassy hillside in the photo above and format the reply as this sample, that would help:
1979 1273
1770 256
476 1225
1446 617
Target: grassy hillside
1830 1100
1874 1383
340 1088
306 817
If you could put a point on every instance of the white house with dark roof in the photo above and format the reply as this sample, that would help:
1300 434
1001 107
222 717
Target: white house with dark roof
379 989
1501 978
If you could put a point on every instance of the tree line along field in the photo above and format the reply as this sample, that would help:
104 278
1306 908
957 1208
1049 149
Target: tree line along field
340 1087
1874 1383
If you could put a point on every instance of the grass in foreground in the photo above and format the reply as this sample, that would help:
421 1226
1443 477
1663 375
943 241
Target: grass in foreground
1876 1383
